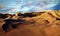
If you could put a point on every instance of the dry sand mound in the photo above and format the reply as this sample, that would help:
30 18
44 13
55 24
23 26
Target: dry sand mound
45 23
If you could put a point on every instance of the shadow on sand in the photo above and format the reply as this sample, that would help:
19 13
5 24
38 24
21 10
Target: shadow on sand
11 23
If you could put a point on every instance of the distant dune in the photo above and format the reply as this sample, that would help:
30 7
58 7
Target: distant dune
46 23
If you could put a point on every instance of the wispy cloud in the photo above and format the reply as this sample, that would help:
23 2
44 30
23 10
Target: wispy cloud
28 5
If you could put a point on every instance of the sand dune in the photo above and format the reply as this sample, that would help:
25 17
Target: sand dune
45 23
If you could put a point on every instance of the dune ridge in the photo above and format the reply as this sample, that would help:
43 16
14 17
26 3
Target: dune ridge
46 23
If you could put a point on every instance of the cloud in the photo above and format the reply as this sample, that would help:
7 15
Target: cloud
28 5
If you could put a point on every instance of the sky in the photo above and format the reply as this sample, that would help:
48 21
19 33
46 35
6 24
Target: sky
14 6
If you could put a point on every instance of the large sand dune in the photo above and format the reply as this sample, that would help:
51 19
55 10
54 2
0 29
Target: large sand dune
45 23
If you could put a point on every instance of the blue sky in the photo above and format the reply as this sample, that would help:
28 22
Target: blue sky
13 6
